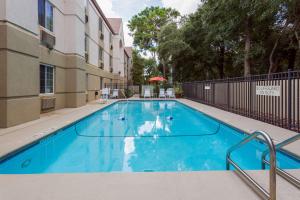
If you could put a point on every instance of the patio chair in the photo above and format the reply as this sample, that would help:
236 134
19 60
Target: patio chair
170 93
105 93
162 93
115 93
147 93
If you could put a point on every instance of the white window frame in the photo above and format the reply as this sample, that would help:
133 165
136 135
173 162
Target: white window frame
53 81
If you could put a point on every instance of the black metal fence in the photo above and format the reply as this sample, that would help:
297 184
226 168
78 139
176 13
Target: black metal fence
115 85
135 89
273 98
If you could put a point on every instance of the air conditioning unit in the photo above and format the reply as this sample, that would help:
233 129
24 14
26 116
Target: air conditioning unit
101 36
86 56
101 65
47 39
47 104
86 19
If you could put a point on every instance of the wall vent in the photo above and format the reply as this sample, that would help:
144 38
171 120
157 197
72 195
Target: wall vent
102 36
47 104
86 55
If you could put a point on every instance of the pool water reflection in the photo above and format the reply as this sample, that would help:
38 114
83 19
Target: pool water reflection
138 136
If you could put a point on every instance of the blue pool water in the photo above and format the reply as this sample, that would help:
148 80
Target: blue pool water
140 136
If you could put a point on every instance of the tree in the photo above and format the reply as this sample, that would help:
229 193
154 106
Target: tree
286 30
229 38
243 19
146 25
137 68
171 46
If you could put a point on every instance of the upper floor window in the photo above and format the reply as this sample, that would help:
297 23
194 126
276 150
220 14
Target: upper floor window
110 37
86 44
110 61
85 4
100 53
45 14
100 25
46 79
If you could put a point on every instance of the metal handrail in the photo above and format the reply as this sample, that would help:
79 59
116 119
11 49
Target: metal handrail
271 195
290 178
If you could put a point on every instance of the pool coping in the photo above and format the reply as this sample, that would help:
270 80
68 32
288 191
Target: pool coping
213 185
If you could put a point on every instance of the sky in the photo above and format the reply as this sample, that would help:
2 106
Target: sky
125 9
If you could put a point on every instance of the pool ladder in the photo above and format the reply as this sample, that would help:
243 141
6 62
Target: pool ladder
290 178
271 195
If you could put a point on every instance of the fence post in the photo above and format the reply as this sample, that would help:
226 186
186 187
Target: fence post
289 98
213 93
228 94
250 98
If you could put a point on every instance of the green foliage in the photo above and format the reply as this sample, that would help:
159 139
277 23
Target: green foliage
146 26
128 93
227 38
223 38
137 68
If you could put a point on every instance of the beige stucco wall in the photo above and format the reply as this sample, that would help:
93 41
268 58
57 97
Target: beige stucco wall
75 81
19 67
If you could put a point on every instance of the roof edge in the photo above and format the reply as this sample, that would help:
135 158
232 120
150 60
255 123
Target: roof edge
103 16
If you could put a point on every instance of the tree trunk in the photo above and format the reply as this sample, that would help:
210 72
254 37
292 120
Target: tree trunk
272 64
291 58
164 68
298 39
221 60
247 65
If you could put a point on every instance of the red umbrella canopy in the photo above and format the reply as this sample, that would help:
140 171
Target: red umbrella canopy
157 78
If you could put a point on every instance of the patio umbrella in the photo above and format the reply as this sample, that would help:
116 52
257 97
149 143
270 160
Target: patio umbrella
157 79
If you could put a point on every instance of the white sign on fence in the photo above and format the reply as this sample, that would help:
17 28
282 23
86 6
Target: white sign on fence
271 90
207 87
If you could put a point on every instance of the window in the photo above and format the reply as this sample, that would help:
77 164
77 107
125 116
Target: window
110 37
46 79
100 25
85 4
101 83
86 44
110 61
45 10
100 53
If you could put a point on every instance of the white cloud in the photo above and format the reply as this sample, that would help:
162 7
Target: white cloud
129 7
107 7
183 6
128 39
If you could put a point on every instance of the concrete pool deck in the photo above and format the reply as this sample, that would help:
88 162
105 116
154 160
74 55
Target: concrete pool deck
193 185
211 185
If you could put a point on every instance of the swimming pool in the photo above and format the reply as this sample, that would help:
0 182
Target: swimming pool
140 136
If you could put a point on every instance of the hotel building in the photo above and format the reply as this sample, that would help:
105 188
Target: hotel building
56 54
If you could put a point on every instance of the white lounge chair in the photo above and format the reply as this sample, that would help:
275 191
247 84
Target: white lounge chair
162 93
170 93
147 93
115 93
105 93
